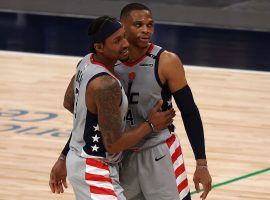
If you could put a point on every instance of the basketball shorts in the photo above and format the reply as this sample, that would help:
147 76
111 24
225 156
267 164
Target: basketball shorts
155 173
93 179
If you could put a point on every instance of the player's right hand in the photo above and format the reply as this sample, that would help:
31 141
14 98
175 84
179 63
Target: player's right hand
58 177
161 120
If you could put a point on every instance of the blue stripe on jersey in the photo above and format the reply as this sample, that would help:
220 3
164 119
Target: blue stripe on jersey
92 137
165 92
156 67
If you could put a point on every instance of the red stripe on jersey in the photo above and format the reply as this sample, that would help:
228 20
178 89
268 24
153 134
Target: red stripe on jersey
94 177
182 185
176 154
96 163
131 64
100 190
180 170
170 141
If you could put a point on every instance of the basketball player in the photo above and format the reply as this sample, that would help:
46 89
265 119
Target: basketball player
154 168
99 117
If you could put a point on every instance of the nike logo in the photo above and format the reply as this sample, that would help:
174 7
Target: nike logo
157 159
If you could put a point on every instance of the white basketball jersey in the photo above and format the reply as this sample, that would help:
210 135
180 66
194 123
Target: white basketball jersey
143 88
86 138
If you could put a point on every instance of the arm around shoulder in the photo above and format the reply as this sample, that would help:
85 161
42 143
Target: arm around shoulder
106 93
107 97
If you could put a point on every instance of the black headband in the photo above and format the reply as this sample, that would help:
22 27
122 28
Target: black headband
106 30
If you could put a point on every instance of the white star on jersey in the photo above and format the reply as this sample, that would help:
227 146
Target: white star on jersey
95 138
96 128
169 102
95 148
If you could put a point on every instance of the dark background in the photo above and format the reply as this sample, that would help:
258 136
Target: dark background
204 46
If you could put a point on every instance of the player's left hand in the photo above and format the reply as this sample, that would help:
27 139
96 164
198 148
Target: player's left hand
58 177
161 120
202 176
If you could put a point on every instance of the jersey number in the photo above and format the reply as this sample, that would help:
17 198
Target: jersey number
129 117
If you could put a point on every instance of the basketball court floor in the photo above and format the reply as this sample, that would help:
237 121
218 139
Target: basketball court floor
34 126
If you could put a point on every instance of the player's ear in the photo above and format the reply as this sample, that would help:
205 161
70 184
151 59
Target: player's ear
99 47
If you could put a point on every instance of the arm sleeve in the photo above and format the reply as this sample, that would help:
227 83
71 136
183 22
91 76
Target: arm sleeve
192 120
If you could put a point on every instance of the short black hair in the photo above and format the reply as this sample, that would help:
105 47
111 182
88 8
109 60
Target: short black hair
130 7
96 25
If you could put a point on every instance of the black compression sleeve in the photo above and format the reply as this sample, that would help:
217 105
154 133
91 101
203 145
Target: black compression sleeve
192 120
66 148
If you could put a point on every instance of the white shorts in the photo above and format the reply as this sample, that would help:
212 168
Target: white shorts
92 179
155 173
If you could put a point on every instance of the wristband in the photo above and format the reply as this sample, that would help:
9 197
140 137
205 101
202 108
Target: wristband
151 125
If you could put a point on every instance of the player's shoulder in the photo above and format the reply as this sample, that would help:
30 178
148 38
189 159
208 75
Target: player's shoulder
168 58
105 83
83 62
106 89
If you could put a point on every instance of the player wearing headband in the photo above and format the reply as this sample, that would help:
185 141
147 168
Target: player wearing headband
99 118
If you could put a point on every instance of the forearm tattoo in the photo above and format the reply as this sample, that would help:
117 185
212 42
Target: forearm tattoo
107 98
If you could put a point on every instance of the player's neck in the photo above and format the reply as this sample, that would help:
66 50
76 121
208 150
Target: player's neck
136 52
107 62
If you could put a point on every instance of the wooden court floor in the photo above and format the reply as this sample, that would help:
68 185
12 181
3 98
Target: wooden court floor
235 109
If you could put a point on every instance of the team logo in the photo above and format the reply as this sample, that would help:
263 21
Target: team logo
133 97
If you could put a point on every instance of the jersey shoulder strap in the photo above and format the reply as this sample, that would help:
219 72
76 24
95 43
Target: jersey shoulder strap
155 52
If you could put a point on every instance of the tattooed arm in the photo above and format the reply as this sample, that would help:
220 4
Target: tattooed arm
107 97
